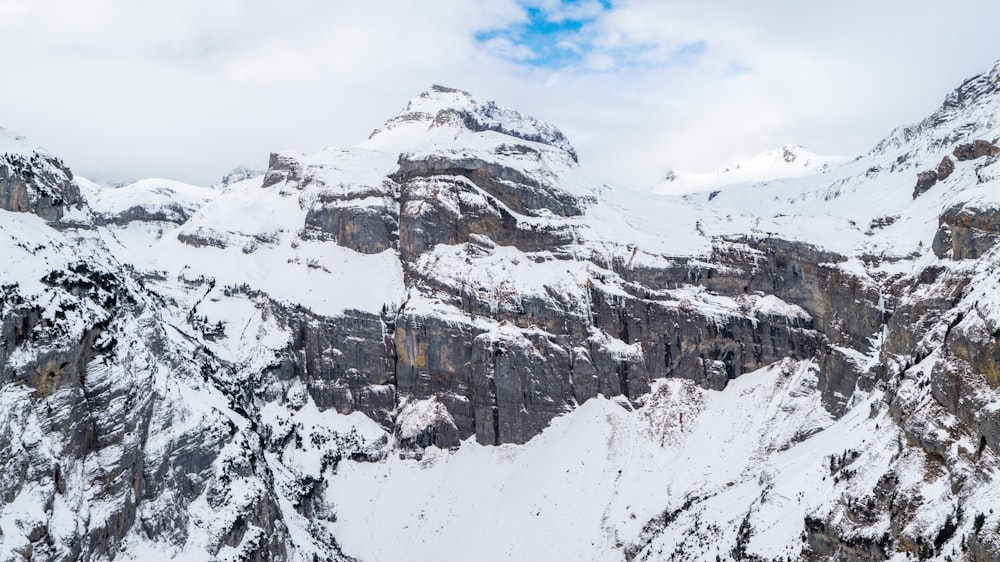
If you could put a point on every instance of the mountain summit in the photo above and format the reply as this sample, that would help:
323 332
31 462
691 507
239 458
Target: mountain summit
450 109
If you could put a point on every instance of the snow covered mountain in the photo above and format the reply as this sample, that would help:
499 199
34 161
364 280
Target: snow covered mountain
450 342
789 161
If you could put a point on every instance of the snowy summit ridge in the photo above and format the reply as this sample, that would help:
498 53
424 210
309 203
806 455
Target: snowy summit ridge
457 109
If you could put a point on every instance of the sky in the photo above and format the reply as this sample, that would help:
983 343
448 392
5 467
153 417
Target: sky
186 89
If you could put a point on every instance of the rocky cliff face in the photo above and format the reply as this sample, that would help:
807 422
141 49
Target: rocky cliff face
229 384
32 181
104 445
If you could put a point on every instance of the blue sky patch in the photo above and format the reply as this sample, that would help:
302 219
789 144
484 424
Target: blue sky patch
549 38
560 36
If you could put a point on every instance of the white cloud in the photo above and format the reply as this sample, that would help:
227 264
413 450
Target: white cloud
558 11
188 89
504 48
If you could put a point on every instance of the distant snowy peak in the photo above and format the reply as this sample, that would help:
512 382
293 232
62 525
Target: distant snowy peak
148 200
788 161
448 108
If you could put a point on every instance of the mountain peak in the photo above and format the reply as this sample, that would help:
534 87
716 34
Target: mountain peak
786 161
791 152
439 89
439 98
451 108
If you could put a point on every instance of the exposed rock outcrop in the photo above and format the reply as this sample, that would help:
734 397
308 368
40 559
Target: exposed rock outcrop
945 168
37 183
282 167
967 231
520 193
974 150
925 181
362 218
239 174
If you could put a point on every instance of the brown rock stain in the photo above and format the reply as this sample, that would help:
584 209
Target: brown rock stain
49 375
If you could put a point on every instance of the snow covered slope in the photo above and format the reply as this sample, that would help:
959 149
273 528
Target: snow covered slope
449 341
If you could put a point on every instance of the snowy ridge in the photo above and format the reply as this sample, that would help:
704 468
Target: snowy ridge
12 144
789 161
969 111
867 206
148 200
448 108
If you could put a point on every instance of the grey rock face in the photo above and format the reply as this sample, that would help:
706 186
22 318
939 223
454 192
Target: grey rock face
470 212
845 306
521 194
677 340
967 232
239 174
282 168
500 370
362 218
171 214
346 363
99 439
925 181
37 184
945 168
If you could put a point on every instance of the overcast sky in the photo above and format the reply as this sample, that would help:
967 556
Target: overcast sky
191 88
